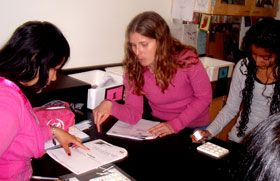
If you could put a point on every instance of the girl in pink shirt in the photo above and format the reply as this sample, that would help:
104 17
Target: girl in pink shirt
29 60
167 72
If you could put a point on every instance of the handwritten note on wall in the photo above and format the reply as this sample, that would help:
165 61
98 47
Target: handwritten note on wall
201 5
190 34
182 9
186 33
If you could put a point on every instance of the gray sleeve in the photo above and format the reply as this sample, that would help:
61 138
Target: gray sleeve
232 106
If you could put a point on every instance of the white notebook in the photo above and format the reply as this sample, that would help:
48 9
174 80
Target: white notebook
100 153
138 131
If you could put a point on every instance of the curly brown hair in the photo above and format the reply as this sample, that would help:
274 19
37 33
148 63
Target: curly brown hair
152 25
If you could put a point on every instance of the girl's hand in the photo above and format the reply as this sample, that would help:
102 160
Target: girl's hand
205 135
65 139
161 130
101 113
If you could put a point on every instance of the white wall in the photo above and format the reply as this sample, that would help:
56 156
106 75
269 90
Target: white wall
278 11
94 28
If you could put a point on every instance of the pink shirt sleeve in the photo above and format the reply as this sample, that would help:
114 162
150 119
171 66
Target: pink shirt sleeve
19 127
47 134
132 111
195 114
9 122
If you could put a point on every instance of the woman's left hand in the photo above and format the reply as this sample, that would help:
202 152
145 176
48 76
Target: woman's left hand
65 139
161 130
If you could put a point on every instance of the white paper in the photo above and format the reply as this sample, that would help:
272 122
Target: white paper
83 125
201 5
75 131
183 9
100 153
177 29
190 34
186 33
138 131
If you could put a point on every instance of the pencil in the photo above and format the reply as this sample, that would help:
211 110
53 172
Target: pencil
45 178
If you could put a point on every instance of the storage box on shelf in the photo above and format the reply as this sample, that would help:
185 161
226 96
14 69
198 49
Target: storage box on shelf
217 69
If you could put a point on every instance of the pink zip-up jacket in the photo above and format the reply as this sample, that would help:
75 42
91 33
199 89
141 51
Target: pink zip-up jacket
21 137
184 104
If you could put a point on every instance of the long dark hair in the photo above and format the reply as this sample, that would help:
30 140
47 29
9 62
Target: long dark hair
264 34
34 47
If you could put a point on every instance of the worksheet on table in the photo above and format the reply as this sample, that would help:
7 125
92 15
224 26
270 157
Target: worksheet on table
80 161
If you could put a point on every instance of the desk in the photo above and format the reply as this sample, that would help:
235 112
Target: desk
65 88
173 157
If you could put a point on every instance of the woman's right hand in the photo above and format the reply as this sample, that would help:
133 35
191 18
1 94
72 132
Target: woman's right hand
65 139
101 113
204 133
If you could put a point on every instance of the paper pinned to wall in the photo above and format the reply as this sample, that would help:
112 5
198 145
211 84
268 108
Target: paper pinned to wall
183 9
190 34
177 29
201 5
186 33
201 42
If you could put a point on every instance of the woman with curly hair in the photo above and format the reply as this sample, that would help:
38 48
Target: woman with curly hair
255 83
168 73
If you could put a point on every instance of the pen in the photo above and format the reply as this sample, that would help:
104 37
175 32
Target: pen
59 146
83 141
44 178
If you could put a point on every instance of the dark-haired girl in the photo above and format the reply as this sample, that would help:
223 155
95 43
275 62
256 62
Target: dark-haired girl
29 60
255 83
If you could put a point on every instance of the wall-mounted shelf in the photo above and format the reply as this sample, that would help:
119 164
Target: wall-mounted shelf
259 8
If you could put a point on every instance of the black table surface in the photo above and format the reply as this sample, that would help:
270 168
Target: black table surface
173 157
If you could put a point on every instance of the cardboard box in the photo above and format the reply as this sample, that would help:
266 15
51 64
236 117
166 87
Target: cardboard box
217 69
